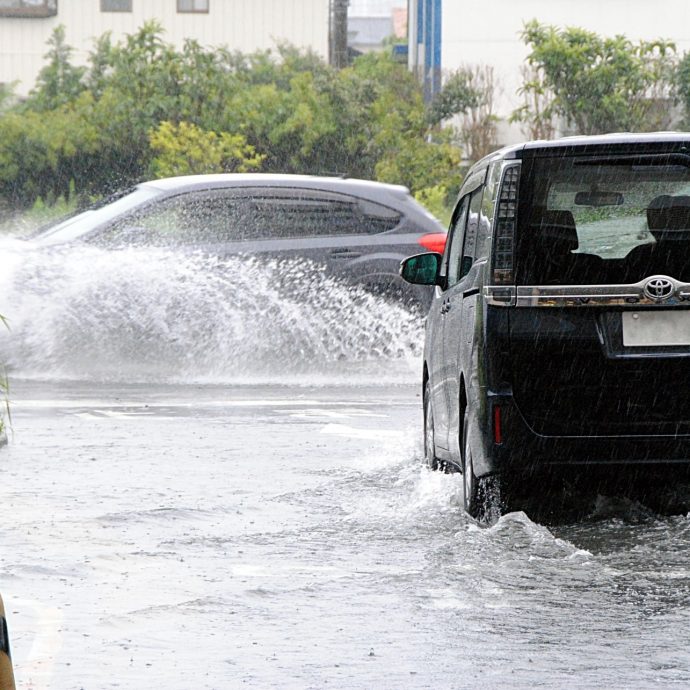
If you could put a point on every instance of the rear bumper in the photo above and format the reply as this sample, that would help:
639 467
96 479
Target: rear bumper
522 449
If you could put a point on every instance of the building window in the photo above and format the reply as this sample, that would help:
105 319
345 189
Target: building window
192 5
28 8
116 5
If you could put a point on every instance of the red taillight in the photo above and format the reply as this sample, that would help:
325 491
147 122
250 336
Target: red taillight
433 241
498 432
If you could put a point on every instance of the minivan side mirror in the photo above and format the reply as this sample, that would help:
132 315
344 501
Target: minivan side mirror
421 269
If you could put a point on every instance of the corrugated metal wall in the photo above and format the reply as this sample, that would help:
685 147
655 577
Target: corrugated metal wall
244 25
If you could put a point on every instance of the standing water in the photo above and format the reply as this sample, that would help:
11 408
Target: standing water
214 481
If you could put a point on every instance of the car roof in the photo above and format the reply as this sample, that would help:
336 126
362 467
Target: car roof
366 188
583 144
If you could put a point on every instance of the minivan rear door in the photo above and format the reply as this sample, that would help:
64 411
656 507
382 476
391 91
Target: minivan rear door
600 332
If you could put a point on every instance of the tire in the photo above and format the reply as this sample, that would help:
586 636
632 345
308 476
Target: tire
483 497
470 485
430 458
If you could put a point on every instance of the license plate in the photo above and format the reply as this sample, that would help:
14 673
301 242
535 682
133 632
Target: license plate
653 328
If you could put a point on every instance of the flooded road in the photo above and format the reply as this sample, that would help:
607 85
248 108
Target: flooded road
287 536
215 481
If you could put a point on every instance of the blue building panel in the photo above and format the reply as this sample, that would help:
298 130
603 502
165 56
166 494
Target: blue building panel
429 16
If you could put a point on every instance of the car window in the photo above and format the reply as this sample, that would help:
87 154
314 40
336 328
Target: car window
82 224
465 232
285 213
470 244
488 209
456 242
377 217
589 221
186 219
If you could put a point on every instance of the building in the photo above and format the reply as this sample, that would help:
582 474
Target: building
372 22
446 34
424 25
243 25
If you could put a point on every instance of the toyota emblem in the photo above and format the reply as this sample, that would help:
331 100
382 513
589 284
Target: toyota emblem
658 288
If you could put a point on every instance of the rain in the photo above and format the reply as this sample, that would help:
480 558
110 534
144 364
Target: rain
263 516
215 465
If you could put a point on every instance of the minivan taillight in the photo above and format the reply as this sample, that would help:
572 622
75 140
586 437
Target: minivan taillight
498 428
433 241
506 218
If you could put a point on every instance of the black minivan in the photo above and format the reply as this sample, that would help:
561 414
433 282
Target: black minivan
559 332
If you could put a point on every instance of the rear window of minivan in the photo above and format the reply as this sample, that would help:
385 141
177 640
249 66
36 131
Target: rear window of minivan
603 219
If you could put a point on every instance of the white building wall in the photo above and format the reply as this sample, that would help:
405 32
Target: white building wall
244 25
489 33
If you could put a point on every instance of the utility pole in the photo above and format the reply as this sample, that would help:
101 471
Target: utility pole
338 33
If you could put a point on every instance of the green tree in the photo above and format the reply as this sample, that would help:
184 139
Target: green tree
143 107
536 114
456 97
682 86
602 84
59 81
467 98
24 158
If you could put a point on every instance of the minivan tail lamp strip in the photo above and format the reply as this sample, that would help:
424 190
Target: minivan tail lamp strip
504 230
633 294
498 427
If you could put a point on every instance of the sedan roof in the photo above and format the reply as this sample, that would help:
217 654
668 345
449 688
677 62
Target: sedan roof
337 184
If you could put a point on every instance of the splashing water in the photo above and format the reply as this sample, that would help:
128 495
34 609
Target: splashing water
157 315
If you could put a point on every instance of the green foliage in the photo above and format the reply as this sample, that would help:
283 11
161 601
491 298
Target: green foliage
185 149
467 97
600 84
456 97
59 81
437 201
141 107
682 86
388 127
24 157
6 96
420 165
537 110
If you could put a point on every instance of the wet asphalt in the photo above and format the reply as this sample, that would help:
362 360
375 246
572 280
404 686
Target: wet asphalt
289 536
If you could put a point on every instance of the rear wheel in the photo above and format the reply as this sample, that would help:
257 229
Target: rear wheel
483 496
429 444
469 481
